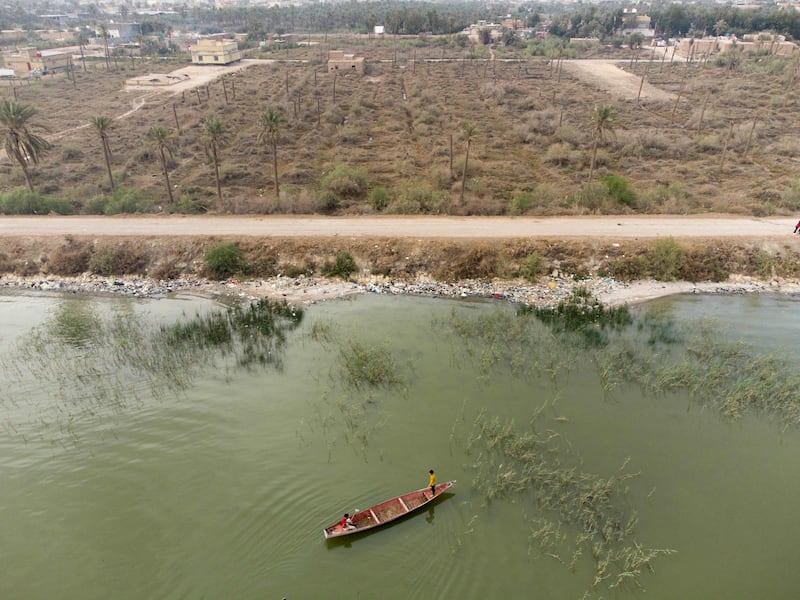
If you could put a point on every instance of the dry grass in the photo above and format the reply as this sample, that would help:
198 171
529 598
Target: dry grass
533 135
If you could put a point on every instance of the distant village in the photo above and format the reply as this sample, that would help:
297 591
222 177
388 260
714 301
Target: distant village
37 53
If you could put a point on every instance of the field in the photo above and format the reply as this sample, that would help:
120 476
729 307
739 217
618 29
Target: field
717 138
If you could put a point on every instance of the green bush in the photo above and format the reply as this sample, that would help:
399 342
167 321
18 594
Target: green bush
224 259
790 197
345 182
126 200
619 190
520 204
102 261
378 198
22 201
190 205
532 267
666 260
342 266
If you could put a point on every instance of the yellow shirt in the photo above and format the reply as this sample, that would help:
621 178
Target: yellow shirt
432 480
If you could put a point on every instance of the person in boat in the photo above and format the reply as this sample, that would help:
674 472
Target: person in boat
432 482
346 522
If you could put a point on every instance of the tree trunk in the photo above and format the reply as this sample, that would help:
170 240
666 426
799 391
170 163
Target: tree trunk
83 60
27 175
275 167
107 154
166 176
594 159
464 175
216 172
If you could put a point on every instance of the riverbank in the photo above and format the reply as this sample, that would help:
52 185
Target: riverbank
310 290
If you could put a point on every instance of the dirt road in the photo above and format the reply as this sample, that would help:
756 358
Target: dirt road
609 227
608 76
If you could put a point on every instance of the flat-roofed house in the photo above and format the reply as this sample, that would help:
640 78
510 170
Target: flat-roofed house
339 61
26 61
215 52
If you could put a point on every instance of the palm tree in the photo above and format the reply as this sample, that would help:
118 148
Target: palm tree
21 144
215 137
604 120
469 132
162 140
103 30
103 125
82 39
271 122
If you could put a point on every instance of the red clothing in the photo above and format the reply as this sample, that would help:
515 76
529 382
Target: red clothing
343 522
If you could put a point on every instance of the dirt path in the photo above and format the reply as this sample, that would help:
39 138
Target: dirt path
778 229
608 76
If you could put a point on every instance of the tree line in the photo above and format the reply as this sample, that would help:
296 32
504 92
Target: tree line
25 146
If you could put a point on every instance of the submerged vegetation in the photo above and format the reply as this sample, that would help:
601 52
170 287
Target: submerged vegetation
99 364
576 511
581 333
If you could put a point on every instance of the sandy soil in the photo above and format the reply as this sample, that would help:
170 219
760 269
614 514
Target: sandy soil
188 78
777 229
608 76
774 230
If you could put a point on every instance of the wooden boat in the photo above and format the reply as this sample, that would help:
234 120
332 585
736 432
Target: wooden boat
386 512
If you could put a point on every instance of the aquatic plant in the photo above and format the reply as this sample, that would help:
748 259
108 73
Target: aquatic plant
364 365
584 315
96 365
735 379
576 511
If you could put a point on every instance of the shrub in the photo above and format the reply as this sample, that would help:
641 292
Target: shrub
558 154
342 266
121 259
71 259
71 153
126 200
102 261
520 204
764 264
378 198
190 205
790 197
532 267
666 260
22 201
619 190
327 203
224 259
345 182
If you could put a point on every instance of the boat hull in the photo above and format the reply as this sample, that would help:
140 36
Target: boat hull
386 511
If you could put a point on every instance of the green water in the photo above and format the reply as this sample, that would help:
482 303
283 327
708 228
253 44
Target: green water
222 490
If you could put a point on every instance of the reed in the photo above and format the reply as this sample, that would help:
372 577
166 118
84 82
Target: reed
576 511
101 365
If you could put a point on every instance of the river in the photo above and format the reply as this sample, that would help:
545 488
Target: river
221 489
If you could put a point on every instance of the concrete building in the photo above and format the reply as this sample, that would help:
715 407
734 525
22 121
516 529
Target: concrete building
339 61
30 61
215 52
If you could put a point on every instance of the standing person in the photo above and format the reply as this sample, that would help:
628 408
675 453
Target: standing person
796 227
432 482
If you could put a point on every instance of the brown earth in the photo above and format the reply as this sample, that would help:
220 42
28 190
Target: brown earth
392 130
774 229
